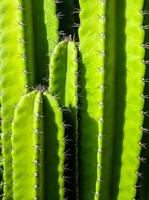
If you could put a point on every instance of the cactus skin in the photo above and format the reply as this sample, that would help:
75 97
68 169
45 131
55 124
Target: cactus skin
58 68
38 144
63 76
45 26
13 79
23 141
18 57
111 60
25 13
40 178
114 97
132 126
143 192
54 147
91 97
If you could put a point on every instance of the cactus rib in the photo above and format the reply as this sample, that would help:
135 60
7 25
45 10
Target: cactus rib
23 142
58 68
132 128
114 97
54 147
25 13
63 76
38 144
91 97
12 65
45 27
143 192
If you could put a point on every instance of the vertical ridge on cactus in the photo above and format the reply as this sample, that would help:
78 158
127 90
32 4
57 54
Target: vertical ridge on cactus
63 73
25 12
38 146
45 30
63 85
143 191
110 96
13 80
54 147
132 127
58 70
41 143
91 97
24 153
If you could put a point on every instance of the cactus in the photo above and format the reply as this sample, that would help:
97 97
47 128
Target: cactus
63 84
43 170
11 55
91 97
142 192
72 99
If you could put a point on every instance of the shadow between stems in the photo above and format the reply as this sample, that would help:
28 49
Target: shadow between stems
65 14
69 118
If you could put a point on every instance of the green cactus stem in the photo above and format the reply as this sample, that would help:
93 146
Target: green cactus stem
38 138
133 115
114 98
24 152
143 191
19 56
13 80
63 73
63 85
41 142
58 68
54 147
91 97
45 27
25 12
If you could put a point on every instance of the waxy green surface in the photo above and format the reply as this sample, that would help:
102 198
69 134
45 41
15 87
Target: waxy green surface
91 31
134 100
13 80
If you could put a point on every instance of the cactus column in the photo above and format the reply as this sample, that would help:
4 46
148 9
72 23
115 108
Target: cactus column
91 36
133 115
13 80
39 146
